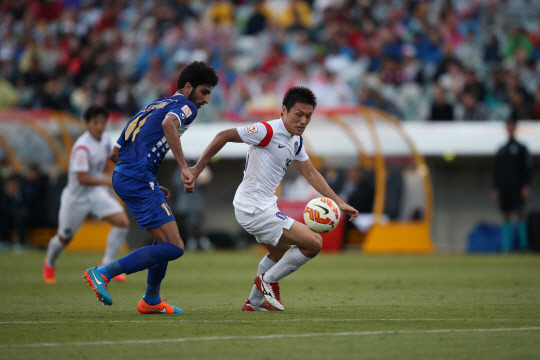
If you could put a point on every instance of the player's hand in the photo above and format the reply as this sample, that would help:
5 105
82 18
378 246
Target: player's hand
114 154
189 180
166 192
349 210
195 171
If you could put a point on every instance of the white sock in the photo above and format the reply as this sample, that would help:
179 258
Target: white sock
115 240
54 249
205 243
289 263
256 298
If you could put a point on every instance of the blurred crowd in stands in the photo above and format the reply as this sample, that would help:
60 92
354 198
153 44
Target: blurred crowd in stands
23 202
417 59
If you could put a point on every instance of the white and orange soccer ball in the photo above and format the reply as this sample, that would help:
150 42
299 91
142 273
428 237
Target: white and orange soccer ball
321 215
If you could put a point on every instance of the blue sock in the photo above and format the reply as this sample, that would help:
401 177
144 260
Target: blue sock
153 283
148 256
110 270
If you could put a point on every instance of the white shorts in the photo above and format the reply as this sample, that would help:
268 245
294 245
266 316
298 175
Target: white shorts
267 226
74 210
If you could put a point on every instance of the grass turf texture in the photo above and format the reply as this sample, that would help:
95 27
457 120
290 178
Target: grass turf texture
347 306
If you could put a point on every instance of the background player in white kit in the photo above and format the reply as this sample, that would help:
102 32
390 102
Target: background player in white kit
86 193
274 145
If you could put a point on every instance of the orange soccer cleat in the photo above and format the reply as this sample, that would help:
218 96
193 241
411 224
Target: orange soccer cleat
161 308
48 273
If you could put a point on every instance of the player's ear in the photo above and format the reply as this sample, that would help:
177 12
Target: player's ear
188 89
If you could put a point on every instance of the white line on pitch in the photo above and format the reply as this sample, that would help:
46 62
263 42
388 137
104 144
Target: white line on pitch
265 337
242 321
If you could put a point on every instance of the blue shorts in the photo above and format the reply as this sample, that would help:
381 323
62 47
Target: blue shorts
144 199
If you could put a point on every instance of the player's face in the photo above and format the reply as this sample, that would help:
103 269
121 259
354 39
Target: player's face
96 126
297 119
200 95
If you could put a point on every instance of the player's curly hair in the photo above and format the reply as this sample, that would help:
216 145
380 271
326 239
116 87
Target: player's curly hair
93 111
197 73
299 94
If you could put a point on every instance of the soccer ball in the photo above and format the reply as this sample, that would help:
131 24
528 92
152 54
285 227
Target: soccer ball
321 215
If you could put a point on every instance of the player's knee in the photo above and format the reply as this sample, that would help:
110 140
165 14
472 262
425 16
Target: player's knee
314 245
176 242
317 243
123 223
173 251
119 220
277 253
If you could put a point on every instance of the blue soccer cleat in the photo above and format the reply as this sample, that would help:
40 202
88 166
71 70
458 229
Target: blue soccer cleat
99 283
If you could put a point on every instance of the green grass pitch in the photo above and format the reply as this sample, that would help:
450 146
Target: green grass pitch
346 306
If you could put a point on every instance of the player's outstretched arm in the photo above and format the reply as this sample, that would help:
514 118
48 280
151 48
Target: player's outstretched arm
219 141
85 178
314 177
170 128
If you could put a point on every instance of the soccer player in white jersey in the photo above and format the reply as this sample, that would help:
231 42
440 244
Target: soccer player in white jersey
274 145
86 193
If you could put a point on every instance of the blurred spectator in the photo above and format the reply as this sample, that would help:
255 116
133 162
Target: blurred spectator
453 80
296 15
470 109
13 214
535 111
441 109
372 97
492 52
189 211
60 55
359 189
220 13
511 186
520 104
258 19
35 187
516 39
473 85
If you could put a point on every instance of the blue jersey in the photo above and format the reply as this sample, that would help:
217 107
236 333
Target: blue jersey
142 142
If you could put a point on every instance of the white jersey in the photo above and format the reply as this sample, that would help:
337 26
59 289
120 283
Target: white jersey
272 149
88 155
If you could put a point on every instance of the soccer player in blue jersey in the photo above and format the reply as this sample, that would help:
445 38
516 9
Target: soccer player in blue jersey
138 152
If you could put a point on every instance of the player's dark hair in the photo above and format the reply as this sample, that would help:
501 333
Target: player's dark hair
197 73
93 111
299 94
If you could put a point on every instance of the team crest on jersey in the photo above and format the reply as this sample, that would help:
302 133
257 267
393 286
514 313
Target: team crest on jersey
80 159
186 110
250 129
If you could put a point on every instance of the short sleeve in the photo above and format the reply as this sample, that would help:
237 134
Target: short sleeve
301 154
184 113
258 134
80 159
